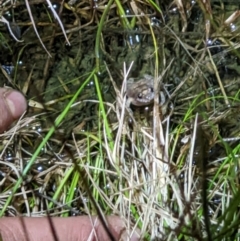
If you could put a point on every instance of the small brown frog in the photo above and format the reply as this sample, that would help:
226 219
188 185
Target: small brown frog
141 93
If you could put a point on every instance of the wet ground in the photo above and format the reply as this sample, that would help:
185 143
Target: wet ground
201 54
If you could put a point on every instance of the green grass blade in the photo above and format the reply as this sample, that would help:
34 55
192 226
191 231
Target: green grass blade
43 143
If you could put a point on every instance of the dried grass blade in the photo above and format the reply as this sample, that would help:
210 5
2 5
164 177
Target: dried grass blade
34 27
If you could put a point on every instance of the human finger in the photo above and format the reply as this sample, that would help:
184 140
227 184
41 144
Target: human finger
12 106
72 228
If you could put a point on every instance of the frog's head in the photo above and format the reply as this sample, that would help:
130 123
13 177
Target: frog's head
141 95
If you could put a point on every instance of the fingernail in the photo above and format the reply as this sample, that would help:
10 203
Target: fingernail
16 102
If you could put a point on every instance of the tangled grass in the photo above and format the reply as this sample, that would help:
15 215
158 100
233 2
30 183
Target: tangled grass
170 171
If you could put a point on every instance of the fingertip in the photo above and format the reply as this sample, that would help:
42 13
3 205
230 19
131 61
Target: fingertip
16 102
135 236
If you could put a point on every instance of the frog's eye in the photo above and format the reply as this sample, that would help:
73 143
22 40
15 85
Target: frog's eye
140 95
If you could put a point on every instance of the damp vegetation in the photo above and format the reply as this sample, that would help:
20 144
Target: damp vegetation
169 168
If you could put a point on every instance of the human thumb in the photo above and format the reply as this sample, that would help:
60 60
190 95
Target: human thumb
12 106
